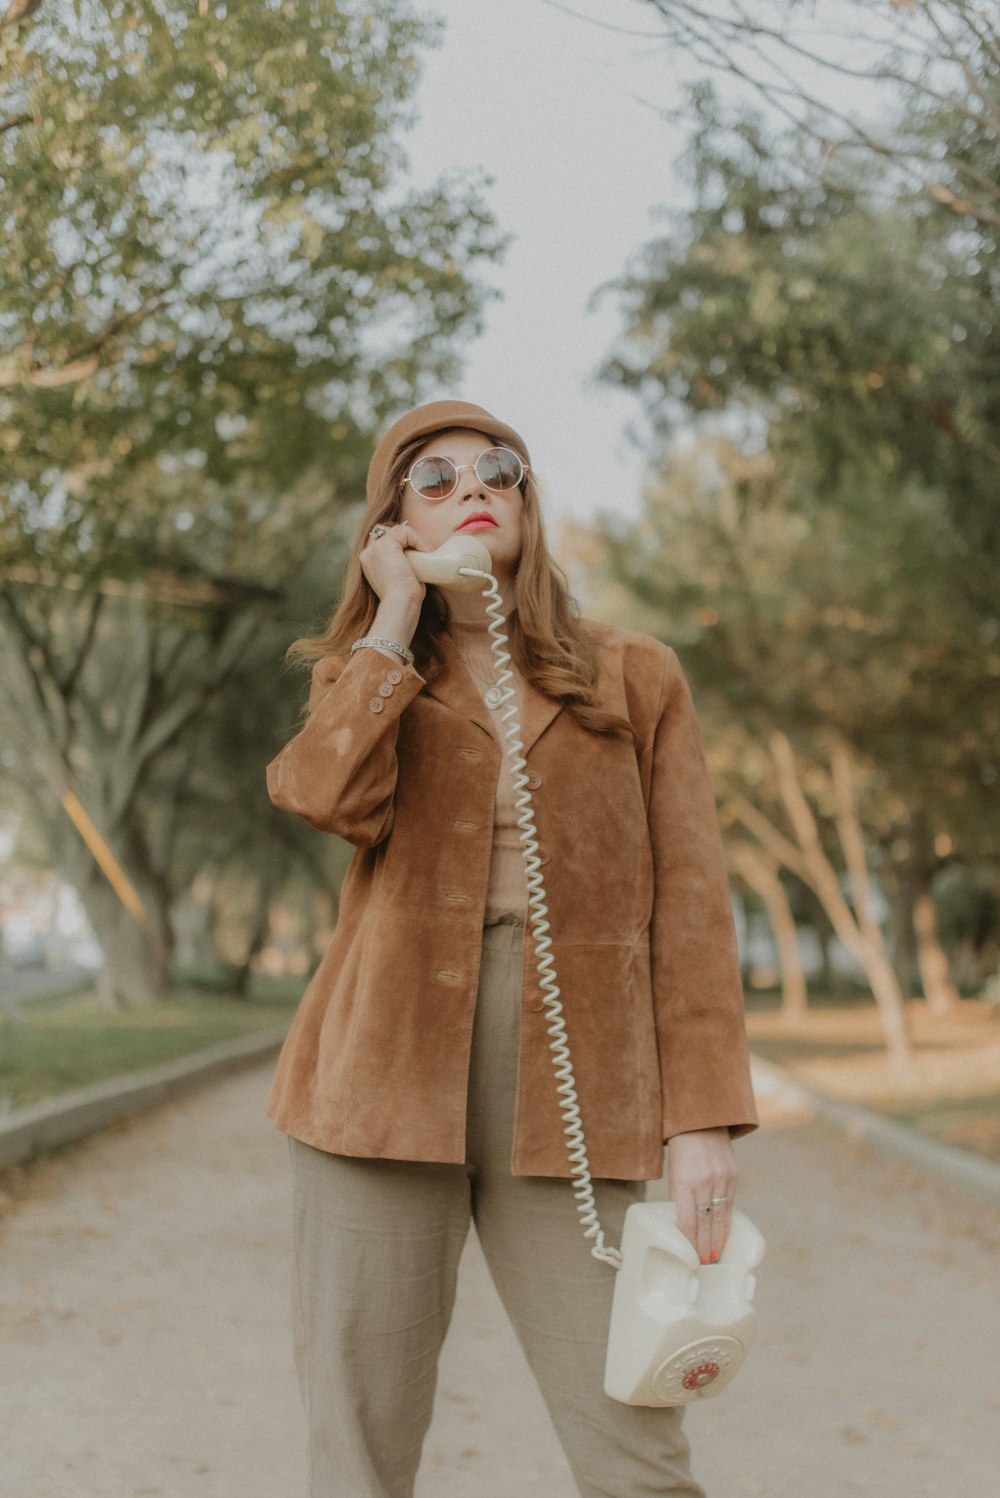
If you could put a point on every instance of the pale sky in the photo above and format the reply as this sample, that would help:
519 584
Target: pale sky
577 163
551 108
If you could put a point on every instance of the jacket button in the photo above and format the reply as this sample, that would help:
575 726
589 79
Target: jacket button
376 705
385 689
394 676
534 781
543 853
536 1003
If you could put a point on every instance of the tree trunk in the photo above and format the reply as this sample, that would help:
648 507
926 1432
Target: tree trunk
190 919
935 971
135 970
857 929
272 875
258 936
815 919
761 874
888 993
136 955
899 888
121 891
890 1000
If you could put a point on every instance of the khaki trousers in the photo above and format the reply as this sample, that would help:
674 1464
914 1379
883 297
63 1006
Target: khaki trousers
377 1245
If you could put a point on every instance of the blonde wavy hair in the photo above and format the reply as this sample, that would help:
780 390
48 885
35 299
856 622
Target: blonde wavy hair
547 643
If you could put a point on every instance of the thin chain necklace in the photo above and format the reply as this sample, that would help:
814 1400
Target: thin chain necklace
491 694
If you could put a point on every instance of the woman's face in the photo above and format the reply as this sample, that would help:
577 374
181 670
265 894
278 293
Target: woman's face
435 520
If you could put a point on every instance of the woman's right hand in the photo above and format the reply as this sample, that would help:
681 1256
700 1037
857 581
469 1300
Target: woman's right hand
386 568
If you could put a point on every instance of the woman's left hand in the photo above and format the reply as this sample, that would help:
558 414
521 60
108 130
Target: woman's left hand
702 1167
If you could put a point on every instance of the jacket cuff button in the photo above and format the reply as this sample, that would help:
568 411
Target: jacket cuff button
385 689
376 705
394 676
536 1003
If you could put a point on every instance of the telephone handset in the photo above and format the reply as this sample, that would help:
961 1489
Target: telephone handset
679 1330
441 566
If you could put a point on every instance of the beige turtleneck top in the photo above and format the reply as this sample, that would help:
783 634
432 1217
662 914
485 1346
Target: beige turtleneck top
508 889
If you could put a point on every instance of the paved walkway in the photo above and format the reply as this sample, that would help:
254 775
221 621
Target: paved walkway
144 1348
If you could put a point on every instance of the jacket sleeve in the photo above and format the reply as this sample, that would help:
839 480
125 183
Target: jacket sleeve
339 771
697 992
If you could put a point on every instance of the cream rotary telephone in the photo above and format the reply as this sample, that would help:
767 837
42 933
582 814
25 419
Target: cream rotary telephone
679 1329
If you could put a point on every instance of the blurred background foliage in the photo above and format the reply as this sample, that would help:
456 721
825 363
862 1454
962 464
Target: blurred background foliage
815 347
222 285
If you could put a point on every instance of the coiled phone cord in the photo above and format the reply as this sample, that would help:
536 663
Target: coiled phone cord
569 1106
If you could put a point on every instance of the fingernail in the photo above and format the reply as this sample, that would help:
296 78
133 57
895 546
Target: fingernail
713 1256
704 1261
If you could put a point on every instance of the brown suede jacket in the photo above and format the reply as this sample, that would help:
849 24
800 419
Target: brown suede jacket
376 1061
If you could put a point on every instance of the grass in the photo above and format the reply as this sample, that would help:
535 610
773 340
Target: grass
69 1042
951 1092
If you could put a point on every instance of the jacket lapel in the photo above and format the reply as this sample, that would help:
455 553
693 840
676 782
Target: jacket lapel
453 686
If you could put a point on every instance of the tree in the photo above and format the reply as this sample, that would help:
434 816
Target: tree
244 856
854 920
913 85
223 289
760 871
827 549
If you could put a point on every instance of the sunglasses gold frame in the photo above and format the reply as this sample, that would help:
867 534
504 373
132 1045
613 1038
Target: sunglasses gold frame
461 468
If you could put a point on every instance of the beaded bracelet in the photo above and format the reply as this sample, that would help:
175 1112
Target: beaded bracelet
371 642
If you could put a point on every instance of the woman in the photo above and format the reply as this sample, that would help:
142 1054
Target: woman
416 1082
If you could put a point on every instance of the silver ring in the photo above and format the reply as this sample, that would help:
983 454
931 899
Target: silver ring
719 1201
376 531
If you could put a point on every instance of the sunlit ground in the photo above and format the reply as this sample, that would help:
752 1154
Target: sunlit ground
952 1092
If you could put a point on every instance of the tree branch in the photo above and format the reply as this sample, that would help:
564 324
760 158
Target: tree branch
83 360
127 320
171 720
95 605
713 40
19 10
777 844
31 640
12 121
851 838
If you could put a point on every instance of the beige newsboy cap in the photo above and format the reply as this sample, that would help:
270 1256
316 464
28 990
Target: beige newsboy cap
437 416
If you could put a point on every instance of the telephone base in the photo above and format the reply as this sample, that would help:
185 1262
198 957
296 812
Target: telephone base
680 1330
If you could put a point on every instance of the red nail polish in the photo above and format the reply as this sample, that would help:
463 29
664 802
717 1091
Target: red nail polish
713 1256
704 1261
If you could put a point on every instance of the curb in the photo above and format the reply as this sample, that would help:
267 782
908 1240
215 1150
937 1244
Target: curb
73 1115
943 1162
88 1109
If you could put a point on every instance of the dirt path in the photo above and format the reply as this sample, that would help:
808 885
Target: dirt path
144 1350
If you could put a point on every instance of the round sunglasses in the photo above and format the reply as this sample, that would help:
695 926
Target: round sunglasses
498 468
